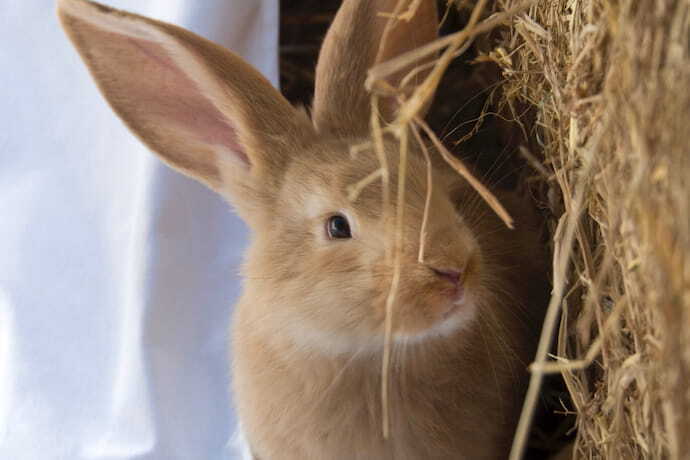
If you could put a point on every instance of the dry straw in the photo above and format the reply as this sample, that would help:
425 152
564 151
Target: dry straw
608 85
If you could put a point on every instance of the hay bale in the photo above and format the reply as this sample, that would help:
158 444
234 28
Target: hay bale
609 84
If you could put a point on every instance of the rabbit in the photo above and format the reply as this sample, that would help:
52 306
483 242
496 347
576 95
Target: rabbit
308 331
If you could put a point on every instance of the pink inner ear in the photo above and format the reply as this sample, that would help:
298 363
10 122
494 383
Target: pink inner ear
171 98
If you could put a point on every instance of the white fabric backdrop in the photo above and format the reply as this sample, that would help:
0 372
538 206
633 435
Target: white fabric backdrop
117 275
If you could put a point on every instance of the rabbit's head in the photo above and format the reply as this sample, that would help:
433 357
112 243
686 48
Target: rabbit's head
320 265
326 261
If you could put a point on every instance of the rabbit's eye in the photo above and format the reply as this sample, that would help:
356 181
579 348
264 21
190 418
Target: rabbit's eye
338 227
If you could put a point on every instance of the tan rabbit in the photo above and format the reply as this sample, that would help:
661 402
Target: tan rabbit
308 332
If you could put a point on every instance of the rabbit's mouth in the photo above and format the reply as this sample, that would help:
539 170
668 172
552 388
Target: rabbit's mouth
456 305
445 310
457 316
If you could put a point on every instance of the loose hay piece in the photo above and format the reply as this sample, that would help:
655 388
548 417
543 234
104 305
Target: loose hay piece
408 118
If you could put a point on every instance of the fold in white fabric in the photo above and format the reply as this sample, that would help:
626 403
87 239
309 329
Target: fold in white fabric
117 275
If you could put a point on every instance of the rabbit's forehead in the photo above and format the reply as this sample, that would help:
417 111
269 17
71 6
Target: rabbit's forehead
327 188
324 179
317 189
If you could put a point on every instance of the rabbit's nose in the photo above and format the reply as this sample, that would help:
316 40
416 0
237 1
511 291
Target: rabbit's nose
454 276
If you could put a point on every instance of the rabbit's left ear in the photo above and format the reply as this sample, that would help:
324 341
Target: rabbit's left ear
352 45
202 109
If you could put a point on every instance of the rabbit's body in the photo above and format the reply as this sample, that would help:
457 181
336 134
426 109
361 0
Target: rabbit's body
308 333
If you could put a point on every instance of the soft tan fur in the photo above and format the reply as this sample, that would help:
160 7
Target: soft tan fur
308 330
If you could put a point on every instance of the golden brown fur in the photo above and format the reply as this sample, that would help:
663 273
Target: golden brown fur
308 331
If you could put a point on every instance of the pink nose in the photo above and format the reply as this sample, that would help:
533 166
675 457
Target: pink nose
451 275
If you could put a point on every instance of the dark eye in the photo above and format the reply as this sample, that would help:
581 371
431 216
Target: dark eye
338 227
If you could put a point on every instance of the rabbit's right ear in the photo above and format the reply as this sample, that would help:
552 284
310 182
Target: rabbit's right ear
204 110
353 44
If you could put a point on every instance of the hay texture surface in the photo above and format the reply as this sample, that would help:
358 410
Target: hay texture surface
609 83
607 88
